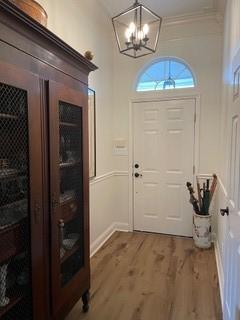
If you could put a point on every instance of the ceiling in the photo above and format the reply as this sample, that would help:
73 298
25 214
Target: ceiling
165 8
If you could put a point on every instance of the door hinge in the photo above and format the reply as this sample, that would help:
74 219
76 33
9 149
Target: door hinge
194 169
195 117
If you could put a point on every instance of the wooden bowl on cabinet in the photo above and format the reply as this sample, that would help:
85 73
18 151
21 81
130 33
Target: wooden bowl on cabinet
33 9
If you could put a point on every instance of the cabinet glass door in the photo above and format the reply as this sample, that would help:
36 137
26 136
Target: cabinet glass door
16 267
15 291
69 190
71 249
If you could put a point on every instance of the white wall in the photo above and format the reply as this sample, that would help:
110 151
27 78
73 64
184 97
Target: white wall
199 43
85 26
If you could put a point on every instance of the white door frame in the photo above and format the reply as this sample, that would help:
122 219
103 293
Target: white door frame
158 98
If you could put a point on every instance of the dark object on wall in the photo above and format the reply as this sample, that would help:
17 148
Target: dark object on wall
44 171
33 9
224 211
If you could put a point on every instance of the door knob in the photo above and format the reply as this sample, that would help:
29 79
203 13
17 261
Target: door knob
137 175
136 165
224 211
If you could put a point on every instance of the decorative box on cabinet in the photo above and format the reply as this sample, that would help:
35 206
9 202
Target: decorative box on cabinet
44 180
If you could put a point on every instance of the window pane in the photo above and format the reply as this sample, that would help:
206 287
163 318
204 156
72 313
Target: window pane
166 74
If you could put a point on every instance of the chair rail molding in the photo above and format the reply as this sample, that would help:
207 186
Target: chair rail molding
108 175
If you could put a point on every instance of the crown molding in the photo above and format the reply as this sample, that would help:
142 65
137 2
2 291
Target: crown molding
215 13
194 17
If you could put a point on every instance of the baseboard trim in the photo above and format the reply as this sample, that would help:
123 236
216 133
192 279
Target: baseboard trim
120 226
220 272
99 242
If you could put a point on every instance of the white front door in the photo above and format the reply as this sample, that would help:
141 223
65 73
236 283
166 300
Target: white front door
164 160
232 236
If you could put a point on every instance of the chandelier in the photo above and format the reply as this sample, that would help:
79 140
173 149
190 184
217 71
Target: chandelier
137 30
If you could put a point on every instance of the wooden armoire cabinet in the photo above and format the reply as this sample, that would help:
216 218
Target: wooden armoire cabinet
44 176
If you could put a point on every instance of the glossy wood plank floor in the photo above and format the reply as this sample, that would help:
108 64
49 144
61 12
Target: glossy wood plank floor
141 276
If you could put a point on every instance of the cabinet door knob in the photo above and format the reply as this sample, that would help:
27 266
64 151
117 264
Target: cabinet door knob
224 211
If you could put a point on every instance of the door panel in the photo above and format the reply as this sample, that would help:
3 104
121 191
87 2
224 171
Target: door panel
21 211
69 194
164 150
232 239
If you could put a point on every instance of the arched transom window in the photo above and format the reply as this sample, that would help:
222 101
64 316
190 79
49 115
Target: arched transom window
166 73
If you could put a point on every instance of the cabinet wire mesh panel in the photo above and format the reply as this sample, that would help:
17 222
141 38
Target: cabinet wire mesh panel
71 191
15 249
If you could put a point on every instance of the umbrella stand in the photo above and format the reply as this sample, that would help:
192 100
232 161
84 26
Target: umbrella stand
202 229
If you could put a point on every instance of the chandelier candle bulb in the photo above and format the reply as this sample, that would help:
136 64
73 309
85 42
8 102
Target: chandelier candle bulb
145 29
140 35
132 27
128 35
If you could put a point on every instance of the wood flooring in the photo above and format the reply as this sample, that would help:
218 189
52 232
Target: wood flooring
143 276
